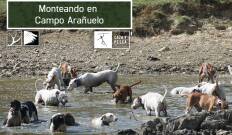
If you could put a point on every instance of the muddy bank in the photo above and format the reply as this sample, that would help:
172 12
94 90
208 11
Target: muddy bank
214 123
152 55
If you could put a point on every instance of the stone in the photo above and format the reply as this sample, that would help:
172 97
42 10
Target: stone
36 51
127 132
164 49
142 72
214 124
203 123
173 69
157 125
220 27
151 58
8 74
223 132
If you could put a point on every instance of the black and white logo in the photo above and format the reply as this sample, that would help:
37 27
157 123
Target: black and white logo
31 38
112 39
14 38
102 39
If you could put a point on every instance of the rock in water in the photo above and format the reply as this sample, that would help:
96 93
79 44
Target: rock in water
204 123
157 126
191 122
127 132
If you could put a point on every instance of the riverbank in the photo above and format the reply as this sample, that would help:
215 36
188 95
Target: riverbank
151 55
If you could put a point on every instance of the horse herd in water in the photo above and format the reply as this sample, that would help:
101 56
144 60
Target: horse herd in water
207 96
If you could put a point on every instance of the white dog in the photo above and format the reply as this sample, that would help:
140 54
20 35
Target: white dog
54 78
90 80
183 90
51 97
151 102
203 87
104 120
212 89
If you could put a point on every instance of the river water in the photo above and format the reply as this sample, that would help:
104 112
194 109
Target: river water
85 107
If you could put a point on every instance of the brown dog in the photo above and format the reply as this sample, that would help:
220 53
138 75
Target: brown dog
207 71
123 91
203 101
67 72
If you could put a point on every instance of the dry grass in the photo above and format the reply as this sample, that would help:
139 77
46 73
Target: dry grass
155 2
2 6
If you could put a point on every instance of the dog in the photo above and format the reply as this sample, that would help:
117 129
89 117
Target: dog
54 78
28 110
207 71
123 91
57 123
203 87
90 80
60 121
182 90
212 89
69 119
51 97
67 73
104 120
203 101
14 115
151 102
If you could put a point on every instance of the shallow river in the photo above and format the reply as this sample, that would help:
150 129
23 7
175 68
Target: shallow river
85 107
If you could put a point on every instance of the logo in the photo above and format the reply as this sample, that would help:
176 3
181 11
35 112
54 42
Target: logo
121 40
19 38
31 38
112 39
14 38
103 39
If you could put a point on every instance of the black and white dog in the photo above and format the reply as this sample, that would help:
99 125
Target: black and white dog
14 115
60 121
104 120
28 110
20 113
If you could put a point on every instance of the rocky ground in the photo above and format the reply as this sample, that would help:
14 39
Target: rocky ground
214 123
168 37
165 53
